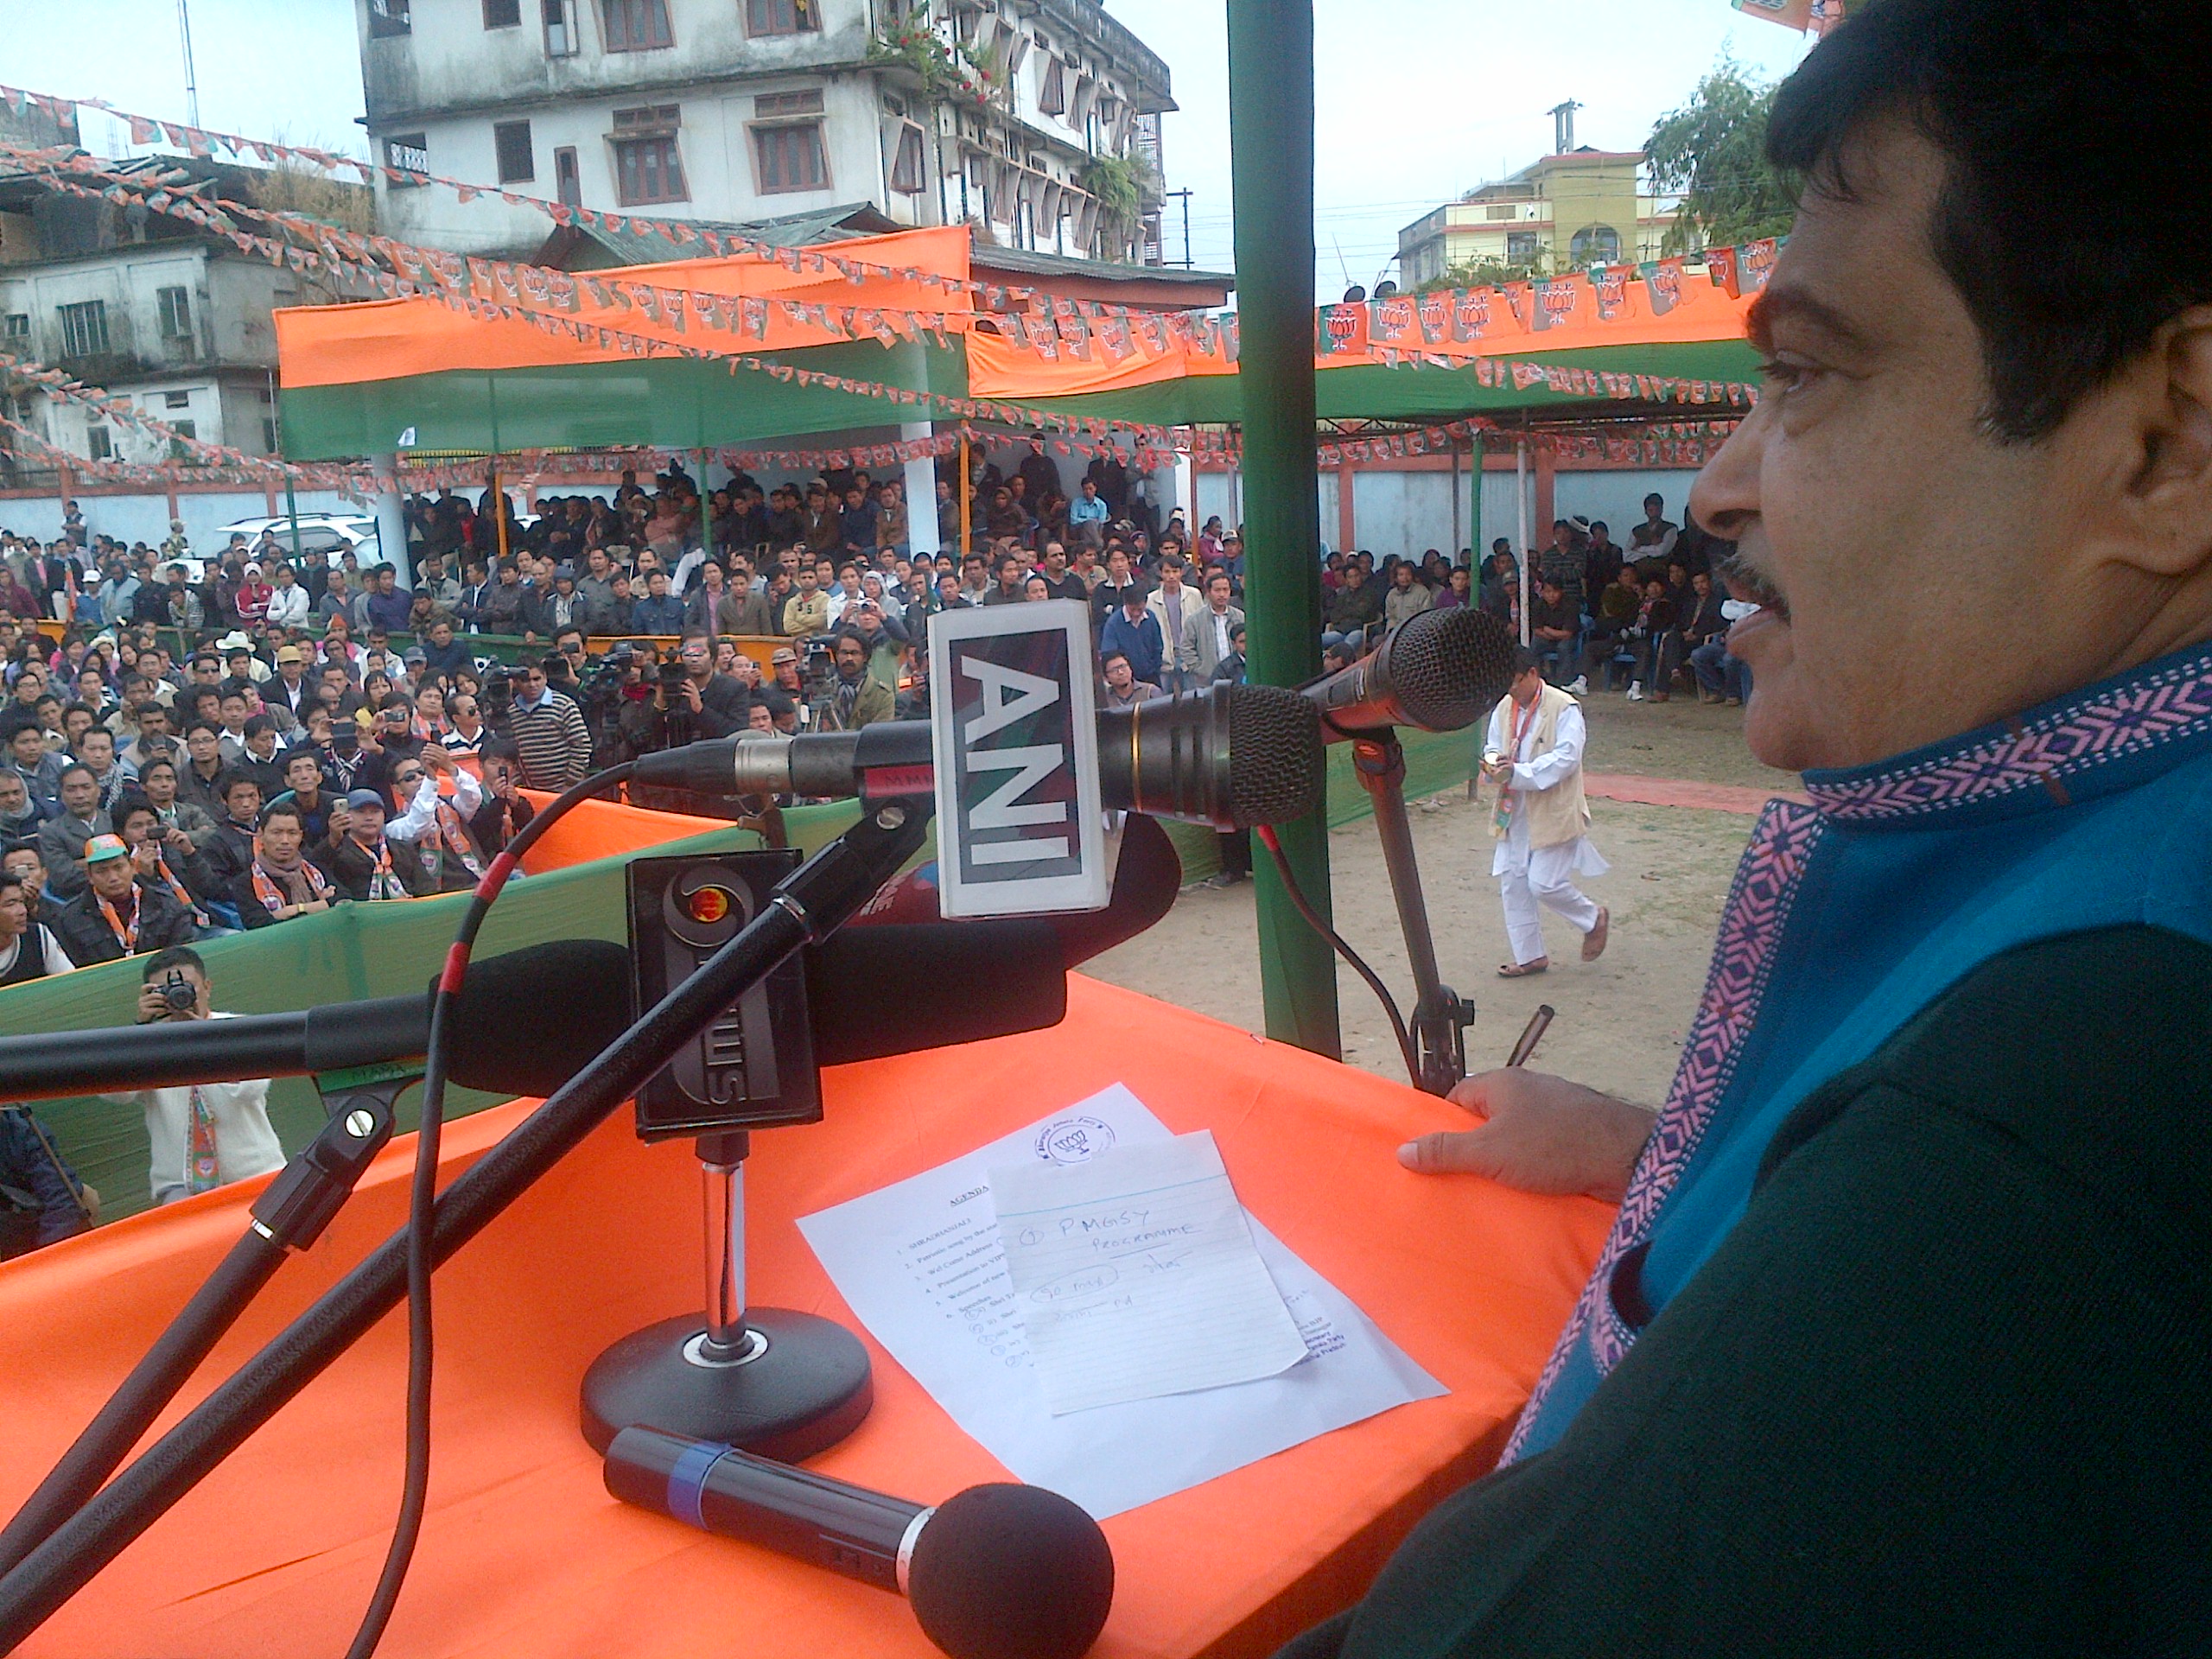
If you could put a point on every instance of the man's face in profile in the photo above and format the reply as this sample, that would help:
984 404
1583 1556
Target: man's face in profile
1876 512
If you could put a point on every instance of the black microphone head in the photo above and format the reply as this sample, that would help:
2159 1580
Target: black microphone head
904 987
1276 769
529 1020
1005 1572
1448 668
1231 756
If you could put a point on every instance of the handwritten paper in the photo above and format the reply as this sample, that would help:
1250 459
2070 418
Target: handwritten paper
921 1264
1136 1277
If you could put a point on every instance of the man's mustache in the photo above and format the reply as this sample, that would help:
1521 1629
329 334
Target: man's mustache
1745 579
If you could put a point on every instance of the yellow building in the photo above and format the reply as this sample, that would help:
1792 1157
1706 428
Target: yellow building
1584 207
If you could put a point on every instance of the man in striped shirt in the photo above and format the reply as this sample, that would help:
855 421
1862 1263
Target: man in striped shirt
550 730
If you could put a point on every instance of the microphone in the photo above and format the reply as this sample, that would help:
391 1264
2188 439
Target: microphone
1231 756
531 1019
899 988
1436 673
522 1029
996 1572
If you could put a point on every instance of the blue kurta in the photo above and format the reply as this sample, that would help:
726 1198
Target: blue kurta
1850 916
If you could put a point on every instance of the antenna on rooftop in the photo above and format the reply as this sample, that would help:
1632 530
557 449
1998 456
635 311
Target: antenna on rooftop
1563 116
191 76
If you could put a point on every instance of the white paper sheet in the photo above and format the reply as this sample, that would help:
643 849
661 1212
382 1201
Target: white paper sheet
920 1263
1135 1275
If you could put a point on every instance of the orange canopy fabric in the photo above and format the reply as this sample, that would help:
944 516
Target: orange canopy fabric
1458 326
524 1553
387 340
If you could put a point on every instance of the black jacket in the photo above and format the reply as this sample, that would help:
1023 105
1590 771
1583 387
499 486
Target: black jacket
85 934
1939 1391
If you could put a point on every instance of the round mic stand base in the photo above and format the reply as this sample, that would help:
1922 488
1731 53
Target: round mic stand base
766 1380
795 1385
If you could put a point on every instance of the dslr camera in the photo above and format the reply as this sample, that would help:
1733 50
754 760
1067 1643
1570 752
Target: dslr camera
179 995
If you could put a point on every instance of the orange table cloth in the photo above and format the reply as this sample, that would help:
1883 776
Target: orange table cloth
524 1553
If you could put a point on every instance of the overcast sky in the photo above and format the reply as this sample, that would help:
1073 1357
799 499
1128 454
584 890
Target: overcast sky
1417 100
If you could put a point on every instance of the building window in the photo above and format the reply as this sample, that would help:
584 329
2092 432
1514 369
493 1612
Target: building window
1595 244
503 13
99 444
1051 89
176 306
636 26
568 182
188 432
790 158
408 152
804 103
511 140
1508 211
83 329
560 29
1519 247
176 400
781 16
268 436
388 18
647 168
906 169
19 325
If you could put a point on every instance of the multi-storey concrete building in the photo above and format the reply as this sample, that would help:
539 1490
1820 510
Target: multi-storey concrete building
146 306
1580 208
1038 119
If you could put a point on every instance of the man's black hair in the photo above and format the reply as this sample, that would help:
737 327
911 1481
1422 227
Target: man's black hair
127 803
284 807
76 766
1525 661
2074 214
177 956
256 724
230 778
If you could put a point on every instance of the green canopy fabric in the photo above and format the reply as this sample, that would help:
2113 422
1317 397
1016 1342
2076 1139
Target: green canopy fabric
686 404
669 403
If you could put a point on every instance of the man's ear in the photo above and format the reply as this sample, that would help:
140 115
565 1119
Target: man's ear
2169 493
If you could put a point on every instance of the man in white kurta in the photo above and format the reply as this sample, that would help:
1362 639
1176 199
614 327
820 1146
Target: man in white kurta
1533 755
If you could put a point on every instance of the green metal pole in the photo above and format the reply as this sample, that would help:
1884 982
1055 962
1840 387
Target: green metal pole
1271 161
706 517
291 500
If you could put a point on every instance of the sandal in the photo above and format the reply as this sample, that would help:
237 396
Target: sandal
1522 969
1593 942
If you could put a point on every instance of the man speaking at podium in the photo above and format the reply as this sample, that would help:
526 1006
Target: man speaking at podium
1900 1343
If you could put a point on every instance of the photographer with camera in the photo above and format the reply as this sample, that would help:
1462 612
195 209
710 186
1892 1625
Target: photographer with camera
205 1134
716 702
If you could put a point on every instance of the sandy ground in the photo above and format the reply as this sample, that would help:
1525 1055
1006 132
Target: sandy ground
1619 1020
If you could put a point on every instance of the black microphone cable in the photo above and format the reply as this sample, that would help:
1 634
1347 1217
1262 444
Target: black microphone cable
422 1196
1266 832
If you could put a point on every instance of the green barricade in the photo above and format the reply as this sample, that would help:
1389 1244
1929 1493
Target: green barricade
352 952
367 950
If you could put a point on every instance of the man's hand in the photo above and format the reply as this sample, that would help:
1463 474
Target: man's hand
153 1005
1542 1134
691 700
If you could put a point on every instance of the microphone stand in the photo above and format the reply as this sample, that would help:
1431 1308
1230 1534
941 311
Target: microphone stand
807 907
290 1215
1440 1016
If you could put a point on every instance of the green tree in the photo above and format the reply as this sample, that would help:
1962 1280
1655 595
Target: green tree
1712 153
1492 273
